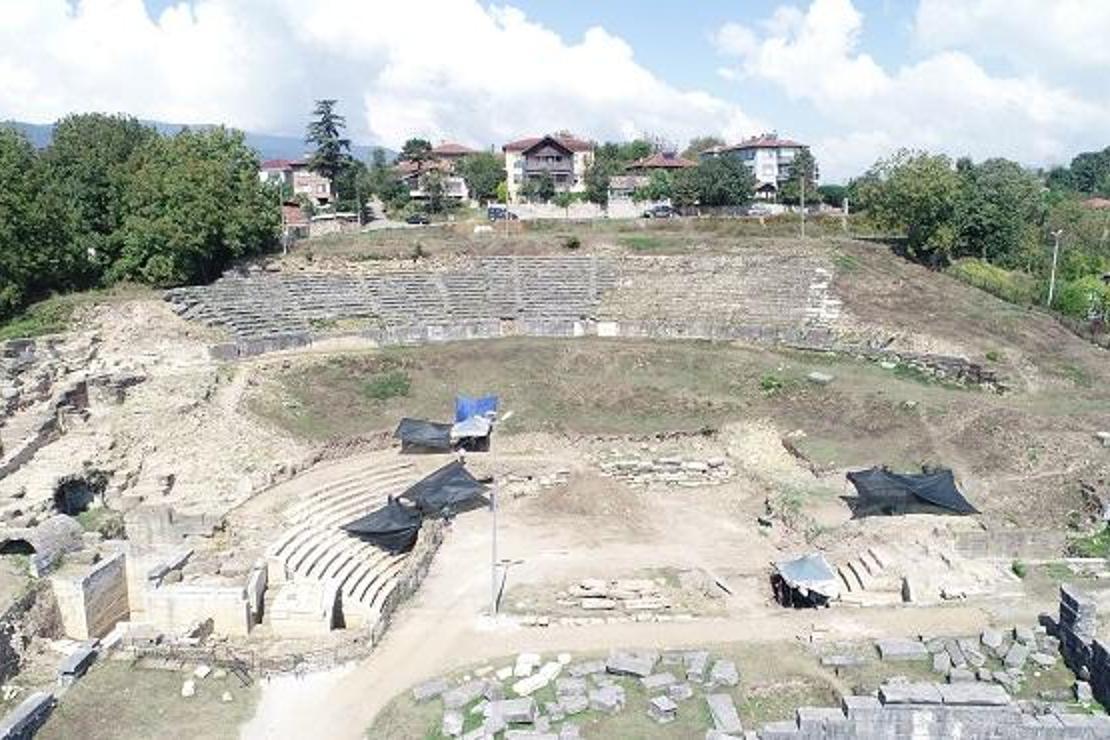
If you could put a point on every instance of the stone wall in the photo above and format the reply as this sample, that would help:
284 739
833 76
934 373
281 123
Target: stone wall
1086 655
92 601
411 576
179 607
1010 543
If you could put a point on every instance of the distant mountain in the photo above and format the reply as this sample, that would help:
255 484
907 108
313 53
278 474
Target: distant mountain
268 146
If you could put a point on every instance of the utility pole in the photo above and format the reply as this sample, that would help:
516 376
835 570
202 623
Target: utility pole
493 552
1055 256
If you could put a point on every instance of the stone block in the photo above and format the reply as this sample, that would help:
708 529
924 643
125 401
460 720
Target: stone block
1083 693
899 649
942 663
724 673
513 711
991 638
28 716
662 709
961 675
819 378
974 694
452 724
697 662
572 704
680 691
463 694
1016 655
910 693
608 699
629 663
723 712
570 685
586 668
657 681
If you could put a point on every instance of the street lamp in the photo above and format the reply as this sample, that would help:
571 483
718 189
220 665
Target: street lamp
1055 257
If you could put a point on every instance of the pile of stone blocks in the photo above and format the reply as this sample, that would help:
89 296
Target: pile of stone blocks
1083 651
627 595
671 471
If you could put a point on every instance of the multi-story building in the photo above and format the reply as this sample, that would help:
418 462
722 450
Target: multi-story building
561 157
294 176
769 157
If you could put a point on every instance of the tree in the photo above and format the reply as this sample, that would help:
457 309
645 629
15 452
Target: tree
431 182
684 188
1088 170
502 192
804 168
834 195
1060 179
564 200
483 172
699 144
997 207
417 151
723 181
540 188
89 161
353 187
35 246
333 152
914 193
660 186
194 204
596 178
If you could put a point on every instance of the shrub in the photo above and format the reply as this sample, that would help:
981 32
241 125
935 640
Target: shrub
387 385
1009 285
1019 569
771 384
1083 297
572 242
1096 545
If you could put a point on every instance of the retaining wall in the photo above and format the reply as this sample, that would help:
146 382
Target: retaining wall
1011 543
91 603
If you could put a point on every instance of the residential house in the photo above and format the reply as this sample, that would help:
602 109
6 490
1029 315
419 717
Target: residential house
624 187
561 156
660 161
294 176
769 157
442 159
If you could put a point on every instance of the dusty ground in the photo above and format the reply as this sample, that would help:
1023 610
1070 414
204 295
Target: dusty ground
224 430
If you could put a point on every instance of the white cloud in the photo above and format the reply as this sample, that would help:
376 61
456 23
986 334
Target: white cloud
1030 34
946 101
476 74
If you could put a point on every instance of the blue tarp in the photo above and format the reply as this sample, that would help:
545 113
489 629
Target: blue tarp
468 408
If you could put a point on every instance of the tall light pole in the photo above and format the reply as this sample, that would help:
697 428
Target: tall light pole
1055 257
493 552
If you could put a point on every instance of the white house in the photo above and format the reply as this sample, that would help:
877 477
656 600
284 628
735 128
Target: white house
769 157
561 156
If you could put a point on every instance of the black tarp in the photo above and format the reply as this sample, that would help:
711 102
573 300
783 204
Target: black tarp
447 491
393 527
420 434
882 489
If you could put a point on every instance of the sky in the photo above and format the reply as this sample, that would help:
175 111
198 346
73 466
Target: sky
854 79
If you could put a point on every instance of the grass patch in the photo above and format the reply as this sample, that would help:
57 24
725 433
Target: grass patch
1012 286
1095 545
845 262
109 523
391 384
56 314
117 702
1019 569
644 242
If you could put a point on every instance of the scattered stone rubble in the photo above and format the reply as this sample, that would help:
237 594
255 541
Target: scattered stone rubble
673 470
671 679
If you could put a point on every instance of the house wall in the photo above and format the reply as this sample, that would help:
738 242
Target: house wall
313 185
514 172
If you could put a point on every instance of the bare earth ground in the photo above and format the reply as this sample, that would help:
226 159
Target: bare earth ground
223 428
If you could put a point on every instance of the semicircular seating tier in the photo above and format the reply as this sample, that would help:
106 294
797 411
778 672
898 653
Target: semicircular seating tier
314 547
765 294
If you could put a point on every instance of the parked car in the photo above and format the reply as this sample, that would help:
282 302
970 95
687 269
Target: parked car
500 213
760 209
417 219
660 211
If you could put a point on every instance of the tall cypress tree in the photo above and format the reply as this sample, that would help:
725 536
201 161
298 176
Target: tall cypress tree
333 152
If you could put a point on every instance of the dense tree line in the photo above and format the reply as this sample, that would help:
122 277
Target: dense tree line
110 200
1000 214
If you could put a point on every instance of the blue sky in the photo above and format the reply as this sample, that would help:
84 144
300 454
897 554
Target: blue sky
855 79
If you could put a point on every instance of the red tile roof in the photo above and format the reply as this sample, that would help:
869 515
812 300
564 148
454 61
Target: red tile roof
282 164
570 142
1097 203
763 141
661 161
450 149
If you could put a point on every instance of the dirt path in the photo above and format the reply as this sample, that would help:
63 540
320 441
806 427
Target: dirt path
443 629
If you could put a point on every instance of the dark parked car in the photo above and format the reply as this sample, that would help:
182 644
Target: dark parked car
500 213
417 218
660 211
